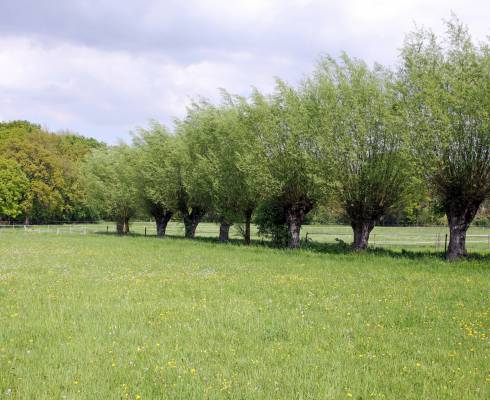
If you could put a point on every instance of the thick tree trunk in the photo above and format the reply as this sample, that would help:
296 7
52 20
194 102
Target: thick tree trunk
224 231
190 228
122 226
295 217
26 220
248 221
294 228
191 220
459 223
361 229
161 222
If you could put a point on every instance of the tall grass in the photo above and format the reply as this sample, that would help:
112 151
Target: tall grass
105 317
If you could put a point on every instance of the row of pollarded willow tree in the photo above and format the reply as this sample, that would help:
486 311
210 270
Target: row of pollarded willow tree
364 138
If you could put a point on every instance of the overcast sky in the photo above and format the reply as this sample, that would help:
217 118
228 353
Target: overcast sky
104 67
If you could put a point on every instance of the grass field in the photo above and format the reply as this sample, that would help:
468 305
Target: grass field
414 238
107 317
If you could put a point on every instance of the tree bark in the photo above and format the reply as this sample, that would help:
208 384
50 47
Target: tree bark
294 228
459 223
190 228
26 220
224 231
248 220
122 226
361 229
294 218
191 220
161 221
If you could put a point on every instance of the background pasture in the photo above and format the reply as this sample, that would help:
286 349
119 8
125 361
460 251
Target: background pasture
409 237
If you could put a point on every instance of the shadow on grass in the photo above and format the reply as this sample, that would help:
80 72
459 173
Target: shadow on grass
413 254
340 247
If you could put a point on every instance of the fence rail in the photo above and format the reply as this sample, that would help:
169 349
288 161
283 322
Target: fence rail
398 239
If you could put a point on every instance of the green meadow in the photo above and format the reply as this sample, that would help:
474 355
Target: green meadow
98 316
427 238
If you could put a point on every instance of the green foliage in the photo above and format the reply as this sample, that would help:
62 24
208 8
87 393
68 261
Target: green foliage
286 149
51 164
285 155
234 183
271 222
446 88
74 147
43 169
158 167
110 177
16 130
14 187
196 132
364 138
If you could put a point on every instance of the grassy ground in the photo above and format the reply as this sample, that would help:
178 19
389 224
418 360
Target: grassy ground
427 238
104 317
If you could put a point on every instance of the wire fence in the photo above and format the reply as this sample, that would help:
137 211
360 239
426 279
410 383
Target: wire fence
437 241
435 237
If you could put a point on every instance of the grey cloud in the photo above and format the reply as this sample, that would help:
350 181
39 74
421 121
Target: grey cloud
171 27
104 67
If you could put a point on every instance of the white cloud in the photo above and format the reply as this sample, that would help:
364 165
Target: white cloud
104 70
94 91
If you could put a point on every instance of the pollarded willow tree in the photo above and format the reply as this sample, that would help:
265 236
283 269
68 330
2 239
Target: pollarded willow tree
235 189
446 88
109 177
364 141
227 179
194 133
157 173
286 154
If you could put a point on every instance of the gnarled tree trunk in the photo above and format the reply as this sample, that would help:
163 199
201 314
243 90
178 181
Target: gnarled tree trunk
191 220
248 221
361 229
459 220
224 231
161 221
122 226
295 216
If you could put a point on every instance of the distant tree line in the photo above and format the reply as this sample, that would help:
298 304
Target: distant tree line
364 145
40 174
